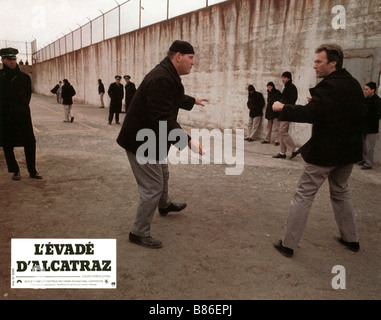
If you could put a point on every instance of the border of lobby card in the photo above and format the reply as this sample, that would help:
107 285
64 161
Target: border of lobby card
63 264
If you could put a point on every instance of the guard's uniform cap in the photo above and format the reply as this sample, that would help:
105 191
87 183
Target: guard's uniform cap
9 53
182 47
118 77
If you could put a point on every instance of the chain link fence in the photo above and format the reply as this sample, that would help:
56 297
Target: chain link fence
126 17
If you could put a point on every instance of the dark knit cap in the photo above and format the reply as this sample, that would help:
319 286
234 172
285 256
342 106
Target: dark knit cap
182 47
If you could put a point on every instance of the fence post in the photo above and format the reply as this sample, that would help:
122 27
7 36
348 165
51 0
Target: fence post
26 46
118 13
91 31
103 22
140 14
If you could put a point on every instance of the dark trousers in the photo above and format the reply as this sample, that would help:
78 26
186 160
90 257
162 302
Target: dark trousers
30 157
111 116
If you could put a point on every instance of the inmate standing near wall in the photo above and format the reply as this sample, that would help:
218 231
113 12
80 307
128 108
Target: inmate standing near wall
157 102
16 129
68 92
255 104
101 92
371 123
289 96
336 144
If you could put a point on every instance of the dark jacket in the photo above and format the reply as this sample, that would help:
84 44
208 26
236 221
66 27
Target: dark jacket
335 112
68 93
272 96
158 98
372 114
16 127
116 93
130 92
101 88
55 89
255 103
289 94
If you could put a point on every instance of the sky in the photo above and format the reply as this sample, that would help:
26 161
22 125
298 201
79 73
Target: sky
48 20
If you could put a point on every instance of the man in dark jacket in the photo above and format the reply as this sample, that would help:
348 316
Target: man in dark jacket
273 95
16 129
335 145
101 92
371 120
116 94
255 104
130 89
289 96
153 112
68 92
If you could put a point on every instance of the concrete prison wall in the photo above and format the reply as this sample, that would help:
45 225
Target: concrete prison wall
237 43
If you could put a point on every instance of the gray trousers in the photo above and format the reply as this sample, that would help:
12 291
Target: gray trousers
68 112
286 141
274 123
253 126
310 181
369 143
152 180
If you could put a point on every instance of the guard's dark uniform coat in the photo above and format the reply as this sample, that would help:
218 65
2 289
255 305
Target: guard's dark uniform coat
130 92
116 94
16 129
158 98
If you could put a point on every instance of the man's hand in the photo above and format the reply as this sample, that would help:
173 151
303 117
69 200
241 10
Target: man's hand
277 106
199 102
196 147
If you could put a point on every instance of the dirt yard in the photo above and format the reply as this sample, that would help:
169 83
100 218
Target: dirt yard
219 248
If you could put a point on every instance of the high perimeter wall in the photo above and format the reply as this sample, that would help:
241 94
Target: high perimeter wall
237 43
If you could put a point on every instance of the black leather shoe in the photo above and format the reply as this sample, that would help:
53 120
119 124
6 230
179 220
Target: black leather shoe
294 154
16 176
173 207
147 242
276 144
265 142
287 252
366 167
354 246
35 176
280 156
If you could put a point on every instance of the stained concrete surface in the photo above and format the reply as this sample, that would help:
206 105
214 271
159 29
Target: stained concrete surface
219 247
